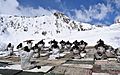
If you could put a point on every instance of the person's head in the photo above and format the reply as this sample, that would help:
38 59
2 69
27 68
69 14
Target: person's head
29 42
54 42
26 49
36 46
100 42
55 46
117 51
19 46
76 43
41 43
110 48
101 49
81 46
62 42
9 45
68 44
75 49
83 43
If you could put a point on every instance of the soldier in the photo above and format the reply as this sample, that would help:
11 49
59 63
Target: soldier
10 49
41 44
19 47
110 51
25 56
29 43
52 42
55 52
99 43
101 50
62 45
117 51
76 52
68 46
76 43
82 46
36 51
100 54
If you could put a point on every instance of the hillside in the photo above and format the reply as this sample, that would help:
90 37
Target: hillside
57 26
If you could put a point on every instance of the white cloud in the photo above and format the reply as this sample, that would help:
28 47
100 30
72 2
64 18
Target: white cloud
117 2
34 12
98 12
10 7
116 5
82 15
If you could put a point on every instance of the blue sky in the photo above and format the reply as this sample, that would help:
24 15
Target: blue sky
90 11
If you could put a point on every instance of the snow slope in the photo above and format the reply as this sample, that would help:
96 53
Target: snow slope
16 29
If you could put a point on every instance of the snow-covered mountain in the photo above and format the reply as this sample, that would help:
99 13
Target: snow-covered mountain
57 26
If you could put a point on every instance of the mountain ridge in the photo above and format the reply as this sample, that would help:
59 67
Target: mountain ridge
56 26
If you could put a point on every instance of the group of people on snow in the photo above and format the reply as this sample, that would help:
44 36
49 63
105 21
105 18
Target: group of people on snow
76 48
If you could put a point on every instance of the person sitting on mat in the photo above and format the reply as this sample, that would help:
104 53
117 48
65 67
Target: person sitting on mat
25 56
